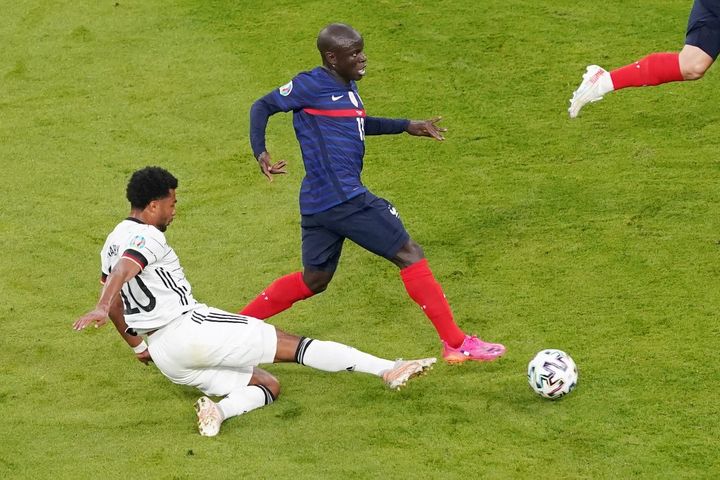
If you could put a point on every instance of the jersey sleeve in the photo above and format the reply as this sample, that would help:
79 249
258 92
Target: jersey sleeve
104 266
385 126
105 260
292 96
145 247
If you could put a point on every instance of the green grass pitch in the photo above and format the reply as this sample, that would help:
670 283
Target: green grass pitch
599 236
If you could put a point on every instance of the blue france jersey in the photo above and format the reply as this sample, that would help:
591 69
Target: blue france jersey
329 121
713 6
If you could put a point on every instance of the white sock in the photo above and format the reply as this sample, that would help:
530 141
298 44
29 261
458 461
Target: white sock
245 399
605 84
336 357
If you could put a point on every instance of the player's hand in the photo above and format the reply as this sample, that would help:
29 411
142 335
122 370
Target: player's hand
426 128
268 168
98 316
144 356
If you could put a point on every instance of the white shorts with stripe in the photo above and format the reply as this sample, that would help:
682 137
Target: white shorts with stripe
212 350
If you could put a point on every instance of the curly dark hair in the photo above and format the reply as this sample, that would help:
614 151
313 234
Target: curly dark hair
148 184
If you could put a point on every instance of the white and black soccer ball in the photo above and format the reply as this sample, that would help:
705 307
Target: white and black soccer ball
552 374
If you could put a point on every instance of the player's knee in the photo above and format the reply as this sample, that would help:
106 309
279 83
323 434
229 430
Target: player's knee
416 252
319 287
409 254
693 67
318 281
694 62
694 71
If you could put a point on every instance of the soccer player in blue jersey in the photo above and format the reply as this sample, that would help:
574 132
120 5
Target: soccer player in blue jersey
702 46
331 124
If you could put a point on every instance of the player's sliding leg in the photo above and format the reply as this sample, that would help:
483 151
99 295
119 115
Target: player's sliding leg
278 296
422 287
336 357
262 390
211 415
318 354
225 350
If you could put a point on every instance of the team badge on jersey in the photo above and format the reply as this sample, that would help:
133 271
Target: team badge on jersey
286 89
138 241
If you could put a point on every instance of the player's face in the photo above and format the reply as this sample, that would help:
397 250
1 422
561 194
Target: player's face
165 211
350 60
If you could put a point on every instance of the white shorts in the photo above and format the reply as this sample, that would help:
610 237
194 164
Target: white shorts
212 350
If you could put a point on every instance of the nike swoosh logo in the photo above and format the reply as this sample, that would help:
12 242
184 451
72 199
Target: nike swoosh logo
335 99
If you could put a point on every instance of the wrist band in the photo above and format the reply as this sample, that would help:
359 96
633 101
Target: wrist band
141 347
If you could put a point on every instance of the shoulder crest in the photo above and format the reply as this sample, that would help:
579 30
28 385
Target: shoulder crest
286 89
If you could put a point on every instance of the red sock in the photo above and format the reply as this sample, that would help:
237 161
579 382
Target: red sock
278 296
427 292
654 69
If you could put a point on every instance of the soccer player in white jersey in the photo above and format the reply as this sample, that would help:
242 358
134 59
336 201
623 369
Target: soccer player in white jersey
145 293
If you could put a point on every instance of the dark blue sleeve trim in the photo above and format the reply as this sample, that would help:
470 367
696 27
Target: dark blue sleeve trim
385 126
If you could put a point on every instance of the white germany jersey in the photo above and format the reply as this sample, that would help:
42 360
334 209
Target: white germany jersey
159 293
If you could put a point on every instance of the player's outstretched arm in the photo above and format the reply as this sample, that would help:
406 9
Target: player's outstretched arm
124 270
426 128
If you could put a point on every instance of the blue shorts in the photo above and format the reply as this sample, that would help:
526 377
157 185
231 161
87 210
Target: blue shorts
703 29
370 221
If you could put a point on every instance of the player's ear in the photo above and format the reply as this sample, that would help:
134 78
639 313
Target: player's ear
330 58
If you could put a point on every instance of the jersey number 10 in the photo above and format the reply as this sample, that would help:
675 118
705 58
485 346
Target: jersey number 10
129 308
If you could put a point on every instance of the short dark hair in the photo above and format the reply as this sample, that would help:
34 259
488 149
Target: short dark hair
148 184
335 35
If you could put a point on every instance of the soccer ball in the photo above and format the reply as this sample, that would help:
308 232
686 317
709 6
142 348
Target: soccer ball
552 374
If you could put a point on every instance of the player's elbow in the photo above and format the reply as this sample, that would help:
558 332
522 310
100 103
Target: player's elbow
256 110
